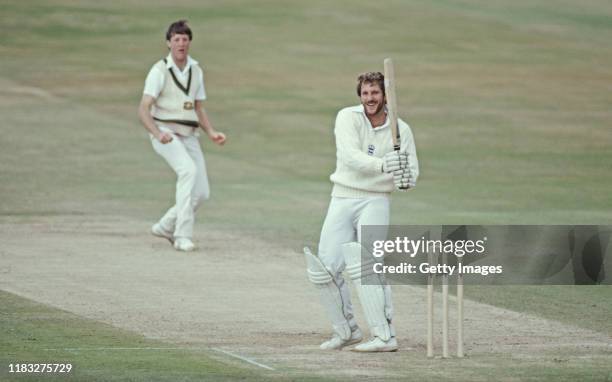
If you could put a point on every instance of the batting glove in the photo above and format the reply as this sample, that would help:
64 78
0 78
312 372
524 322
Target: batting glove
404 179
394 160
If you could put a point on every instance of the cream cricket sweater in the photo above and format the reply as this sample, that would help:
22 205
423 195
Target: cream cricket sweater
359 152
176 101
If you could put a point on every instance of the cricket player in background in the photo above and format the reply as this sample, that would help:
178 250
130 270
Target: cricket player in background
171 111
368 169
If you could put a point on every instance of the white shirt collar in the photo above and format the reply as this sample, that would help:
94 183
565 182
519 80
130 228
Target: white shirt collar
361 109
170 63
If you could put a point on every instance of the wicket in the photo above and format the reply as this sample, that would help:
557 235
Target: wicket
432 260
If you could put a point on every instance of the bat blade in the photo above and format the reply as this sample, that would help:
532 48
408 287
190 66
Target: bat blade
391 102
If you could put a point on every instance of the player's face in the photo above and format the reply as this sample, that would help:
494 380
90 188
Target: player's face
372 99
179 47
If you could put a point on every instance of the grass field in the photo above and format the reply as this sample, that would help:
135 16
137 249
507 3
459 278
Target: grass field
509 103
63 337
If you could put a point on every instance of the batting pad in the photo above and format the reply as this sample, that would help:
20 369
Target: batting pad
335 304
375 298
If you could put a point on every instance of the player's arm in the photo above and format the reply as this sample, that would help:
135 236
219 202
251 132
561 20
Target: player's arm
214 135
348 147
144 112
409 147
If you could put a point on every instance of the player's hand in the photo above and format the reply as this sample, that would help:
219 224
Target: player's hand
217 137
404 179
164 137
394 160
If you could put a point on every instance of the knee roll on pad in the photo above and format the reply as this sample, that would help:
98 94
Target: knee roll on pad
330 294
317 273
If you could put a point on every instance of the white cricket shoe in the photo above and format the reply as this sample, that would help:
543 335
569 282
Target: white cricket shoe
157 230
337 343
183 244
377 345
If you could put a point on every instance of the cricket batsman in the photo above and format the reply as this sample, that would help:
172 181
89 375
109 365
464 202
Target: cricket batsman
171 111
368 169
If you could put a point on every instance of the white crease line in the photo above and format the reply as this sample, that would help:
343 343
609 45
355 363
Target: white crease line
243 358
101 349
153 348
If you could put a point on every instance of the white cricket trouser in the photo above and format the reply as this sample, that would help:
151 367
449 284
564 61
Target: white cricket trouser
344 219
342 225
184 155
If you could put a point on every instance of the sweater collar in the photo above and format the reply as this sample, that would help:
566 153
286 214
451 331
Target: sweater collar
170 64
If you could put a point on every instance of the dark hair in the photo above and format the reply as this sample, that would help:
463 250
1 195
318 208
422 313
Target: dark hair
373 78
178 27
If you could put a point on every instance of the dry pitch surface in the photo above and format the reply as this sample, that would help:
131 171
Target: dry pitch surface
241 295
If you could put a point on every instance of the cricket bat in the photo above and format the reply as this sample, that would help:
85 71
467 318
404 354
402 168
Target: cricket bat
391 102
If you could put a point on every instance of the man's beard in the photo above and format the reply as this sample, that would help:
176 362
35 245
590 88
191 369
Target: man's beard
379 108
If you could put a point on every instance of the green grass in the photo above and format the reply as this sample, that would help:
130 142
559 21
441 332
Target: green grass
509 103
581 305
511 122
35 333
